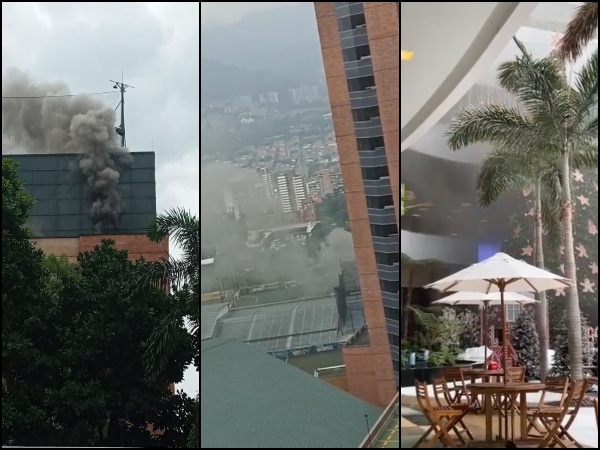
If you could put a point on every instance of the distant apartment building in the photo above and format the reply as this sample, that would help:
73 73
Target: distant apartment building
360 47
267 181
292 191
324 178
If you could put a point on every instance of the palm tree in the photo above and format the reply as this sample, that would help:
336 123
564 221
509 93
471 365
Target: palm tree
580 31
552 128
507 169
179 276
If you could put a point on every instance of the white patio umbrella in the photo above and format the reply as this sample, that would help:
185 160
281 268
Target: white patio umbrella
501 273
465 298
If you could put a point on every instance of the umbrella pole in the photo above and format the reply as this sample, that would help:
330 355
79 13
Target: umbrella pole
486 336
504 368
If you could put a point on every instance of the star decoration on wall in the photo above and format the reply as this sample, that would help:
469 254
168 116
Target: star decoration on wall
527 251
588 286
594 268
578 176
517 232
527 192
595 186
562 268
592 228
582 251
583 200
560 293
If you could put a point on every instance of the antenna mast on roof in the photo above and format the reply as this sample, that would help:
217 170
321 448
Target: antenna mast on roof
122 87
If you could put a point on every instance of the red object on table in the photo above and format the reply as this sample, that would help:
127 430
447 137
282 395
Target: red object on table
493 365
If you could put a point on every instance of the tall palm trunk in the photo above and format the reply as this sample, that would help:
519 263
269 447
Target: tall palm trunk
573 310
541 313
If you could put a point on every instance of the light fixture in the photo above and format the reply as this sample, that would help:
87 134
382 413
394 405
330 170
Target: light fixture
405 55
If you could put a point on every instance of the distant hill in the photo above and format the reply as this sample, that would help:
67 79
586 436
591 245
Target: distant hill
278 47
219 81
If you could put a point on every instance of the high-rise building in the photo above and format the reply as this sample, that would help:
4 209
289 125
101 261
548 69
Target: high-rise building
292 191
361 55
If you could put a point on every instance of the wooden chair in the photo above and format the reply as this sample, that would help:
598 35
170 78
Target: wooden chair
455 381
442 419
443 399
559 385
553 418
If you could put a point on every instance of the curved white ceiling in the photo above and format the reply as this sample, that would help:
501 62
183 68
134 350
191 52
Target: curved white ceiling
453 44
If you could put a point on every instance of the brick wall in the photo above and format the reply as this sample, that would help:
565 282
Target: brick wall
375 384
136 244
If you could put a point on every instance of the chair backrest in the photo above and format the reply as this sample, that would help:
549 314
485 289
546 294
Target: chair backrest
596 410
455 383
440 392
555 384
515 375
422 395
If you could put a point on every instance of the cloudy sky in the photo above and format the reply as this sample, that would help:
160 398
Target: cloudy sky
155 45
213 13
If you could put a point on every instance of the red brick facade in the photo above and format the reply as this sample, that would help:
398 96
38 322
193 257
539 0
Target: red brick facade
137 245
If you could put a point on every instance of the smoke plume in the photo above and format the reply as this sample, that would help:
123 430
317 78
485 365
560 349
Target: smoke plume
254 266
51 123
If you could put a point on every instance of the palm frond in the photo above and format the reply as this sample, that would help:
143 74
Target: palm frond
181 226
580 31
499 125
501 172
584 155
586 85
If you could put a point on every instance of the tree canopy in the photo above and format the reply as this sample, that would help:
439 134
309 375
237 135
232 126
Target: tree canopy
73 340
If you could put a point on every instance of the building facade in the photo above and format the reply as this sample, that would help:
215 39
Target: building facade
60 219
360 49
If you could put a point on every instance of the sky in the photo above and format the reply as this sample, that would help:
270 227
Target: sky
214 13
156 47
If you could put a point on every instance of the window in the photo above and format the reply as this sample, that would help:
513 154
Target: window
369 144
365 114
375 173
351 22
356 53
393 287
394 339
387 259
391 313
384 230
379 202
513 312
361 84
396 365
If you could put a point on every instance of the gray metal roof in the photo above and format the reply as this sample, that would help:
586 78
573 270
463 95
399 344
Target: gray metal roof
252 400
290 325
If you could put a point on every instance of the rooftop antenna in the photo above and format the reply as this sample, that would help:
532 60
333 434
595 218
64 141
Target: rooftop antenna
122 87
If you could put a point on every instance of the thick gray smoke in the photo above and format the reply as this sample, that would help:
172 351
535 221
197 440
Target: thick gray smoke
50 124
285 263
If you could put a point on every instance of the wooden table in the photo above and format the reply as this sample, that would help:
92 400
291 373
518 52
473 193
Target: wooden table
484 374
488 390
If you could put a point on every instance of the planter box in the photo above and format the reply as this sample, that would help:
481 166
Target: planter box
426 374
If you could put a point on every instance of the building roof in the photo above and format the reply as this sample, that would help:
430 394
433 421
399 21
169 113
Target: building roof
253 400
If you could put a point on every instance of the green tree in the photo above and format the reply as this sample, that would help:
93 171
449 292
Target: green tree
23 358
553 127
580 31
